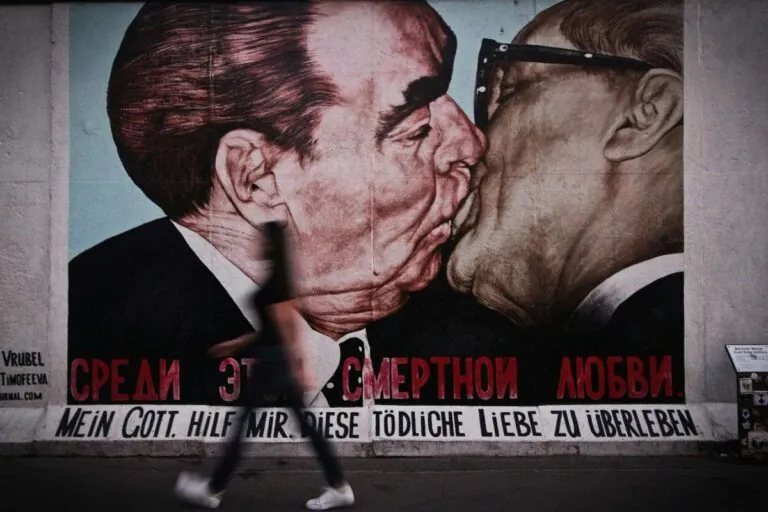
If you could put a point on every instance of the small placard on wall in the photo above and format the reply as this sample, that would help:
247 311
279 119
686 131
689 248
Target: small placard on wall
748 358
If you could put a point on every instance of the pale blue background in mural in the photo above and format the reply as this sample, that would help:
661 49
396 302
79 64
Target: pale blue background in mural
105 202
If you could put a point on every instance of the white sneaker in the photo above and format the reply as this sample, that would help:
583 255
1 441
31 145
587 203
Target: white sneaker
193 489
332 498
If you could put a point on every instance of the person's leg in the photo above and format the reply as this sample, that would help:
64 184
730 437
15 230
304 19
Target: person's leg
328 461
339 493
232 453
259 382
207 492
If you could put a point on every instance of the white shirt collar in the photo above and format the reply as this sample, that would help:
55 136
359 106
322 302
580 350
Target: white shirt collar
601 303
324 352
236 283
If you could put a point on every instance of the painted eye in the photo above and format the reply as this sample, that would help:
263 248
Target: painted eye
506 92
421 133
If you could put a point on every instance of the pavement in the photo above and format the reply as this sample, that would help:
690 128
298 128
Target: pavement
562 484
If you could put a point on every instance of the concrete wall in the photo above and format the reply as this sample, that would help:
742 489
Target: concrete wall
726 183
726 161
33 178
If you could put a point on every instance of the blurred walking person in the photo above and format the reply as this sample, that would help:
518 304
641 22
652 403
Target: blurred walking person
281 370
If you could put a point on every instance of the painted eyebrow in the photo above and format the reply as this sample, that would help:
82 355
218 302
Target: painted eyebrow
419 93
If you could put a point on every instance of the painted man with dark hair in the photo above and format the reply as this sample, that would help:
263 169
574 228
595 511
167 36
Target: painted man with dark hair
575 221
231 115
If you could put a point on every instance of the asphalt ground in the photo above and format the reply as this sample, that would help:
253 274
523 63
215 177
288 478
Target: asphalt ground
562 484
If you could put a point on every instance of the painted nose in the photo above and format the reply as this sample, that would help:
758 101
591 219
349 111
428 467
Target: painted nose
463 143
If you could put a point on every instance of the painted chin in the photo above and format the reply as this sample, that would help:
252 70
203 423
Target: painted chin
424 261
428 273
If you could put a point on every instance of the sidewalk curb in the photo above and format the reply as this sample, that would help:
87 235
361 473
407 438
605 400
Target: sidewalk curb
380 449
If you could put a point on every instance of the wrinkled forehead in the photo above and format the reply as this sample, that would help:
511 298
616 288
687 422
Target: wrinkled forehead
418 31
546 34
368 47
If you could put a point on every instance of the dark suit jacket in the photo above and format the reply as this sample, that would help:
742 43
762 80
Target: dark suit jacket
143 295
440 322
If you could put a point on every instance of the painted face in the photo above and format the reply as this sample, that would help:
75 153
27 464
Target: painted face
393 158
538 187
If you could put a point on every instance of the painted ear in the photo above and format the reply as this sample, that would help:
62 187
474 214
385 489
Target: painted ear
655 109
243 170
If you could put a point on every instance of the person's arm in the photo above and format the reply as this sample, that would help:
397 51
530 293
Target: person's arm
283 307
286 317
233 346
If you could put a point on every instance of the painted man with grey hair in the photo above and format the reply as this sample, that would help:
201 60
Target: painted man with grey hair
575 219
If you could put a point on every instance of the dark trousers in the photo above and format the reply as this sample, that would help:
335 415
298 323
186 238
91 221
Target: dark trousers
271 375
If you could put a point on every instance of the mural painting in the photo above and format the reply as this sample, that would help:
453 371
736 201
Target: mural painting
484 250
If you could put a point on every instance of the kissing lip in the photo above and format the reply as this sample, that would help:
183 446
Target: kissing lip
442 230
466 216
431 235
